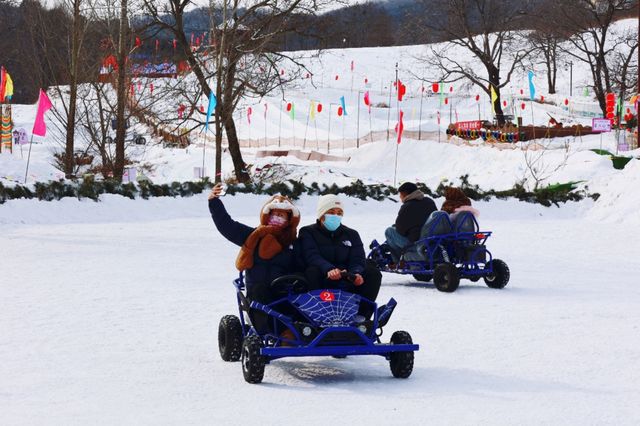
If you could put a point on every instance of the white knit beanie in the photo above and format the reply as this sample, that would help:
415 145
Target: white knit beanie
328 202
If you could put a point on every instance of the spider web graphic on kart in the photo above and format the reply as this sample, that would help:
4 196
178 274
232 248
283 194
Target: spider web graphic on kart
339 311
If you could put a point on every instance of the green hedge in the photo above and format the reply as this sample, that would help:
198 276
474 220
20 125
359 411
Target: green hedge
89 188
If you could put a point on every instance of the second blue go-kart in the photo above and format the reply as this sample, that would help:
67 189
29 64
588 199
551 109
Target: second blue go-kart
446 251
309 323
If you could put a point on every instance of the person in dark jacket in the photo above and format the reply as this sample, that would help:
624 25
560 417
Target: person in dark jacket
267 251
414 212
330 248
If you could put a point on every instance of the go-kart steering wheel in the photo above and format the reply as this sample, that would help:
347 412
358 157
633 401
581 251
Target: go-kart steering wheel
289 283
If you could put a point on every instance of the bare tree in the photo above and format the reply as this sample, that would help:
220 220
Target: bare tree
487 30
594 41
244 49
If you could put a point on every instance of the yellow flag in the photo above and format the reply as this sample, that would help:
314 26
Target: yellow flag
312 112
8 91
494 96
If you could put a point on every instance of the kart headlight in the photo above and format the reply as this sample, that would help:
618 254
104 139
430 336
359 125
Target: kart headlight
362 328
306 331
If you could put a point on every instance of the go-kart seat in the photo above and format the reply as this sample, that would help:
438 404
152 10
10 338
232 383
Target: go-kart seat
464 222
438 223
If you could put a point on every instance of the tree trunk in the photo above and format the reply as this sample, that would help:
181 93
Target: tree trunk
239 167
118 169
494 80
73 91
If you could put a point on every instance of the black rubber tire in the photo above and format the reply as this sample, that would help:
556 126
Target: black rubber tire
252 362
446 277
474 279
423 277
499 278
401 363
230 338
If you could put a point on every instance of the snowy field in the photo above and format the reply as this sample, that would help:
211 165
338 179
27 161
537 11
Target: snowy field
109 315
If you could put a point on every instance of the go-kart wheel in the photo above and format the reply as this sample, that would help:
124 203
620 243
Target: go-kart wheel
423 277
401 363
252 362
474 278
446 277
286 283
500 275
230 338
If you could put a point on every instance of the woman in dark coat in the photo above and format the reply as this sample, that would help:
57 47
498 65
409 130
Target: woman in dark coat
267 251
330 248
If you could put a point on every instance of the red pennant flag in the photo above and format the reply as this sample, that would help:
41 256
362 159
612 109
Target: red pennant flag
402 90
174 44
157 45
367 101
138 42
249 112
400 127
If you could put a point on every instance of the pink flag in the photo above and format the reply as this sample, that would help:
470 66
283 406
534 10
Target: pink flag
44 105
249 111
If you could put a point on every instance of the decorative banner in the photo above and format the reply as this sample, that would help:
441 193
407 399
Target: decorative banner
312 110
494 97
402 90
212 104
344 107
400 127
469 125
532 88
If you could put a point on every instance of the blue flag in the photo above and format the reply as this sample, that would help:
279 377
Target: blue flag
344 107
212 105
532 88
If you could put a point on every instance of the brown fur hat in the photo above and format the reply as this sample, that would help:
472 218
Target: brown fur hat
269 240
454 198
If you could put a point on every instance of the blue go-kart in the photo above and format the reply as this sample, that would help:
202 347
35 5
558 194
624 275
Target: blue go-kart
309 323
447 251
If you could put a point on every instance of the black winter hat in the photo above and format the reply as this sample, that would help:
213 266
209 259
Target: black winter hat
408 188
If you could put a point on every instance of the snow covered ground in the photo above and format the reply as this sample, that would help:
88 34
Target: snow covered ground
109 316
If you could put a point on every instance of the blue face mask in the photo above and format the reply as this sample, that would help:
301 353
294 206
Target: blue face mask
332 221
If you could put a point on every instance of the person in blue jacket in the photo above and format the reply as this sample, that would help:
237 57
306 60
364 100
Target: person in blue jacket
267 251
330 248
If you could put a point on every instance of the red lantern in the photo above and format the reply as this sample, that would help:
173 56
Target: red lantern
366 80
521 92
610 105
308 75
477 98
435 87
288 106
541 99
201 108
566 101
337 77
339 111
446 101
282 72
504 103
522 105
319 108
451 89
